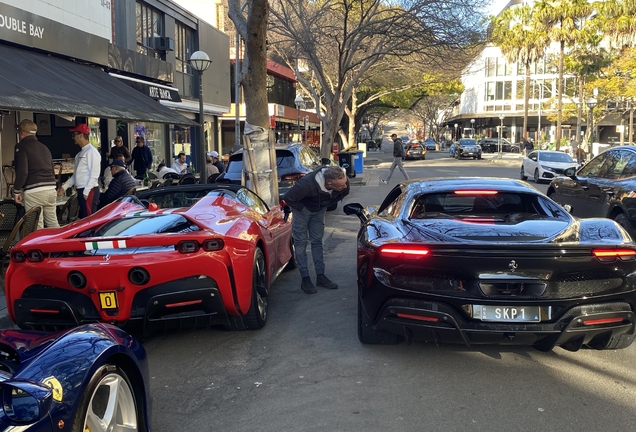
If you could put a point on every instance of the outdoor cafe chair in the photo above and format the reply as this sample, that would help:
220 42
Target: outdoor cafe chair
69 211
8 172
25 226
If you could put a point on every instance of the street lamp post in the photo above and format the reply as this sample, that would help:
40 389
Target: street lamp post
200 62
472 127
300 103
456 137
501 117
591 103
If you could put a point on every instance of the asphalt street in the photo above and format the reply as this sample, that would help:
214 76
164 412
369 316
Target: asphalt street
307 371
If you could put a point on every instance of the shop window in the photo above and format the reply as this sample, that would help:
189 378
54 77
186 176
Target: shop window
181 141
149 25
507 90
154 136
490 91
95 135
491 64
183 47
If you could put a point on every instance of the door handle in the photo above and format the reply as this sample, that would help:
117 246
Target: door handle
585 188
608 191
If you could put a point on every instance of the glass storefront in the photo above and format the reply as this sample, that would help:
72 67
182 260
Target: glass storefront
180 142
95 136
154 135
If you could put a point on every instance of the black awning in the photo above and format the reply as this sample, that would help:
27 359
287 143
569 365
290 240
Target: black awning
40 83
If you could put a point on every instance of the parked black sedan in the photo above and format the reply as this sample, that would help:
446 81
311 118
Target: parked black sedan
491 261
604 187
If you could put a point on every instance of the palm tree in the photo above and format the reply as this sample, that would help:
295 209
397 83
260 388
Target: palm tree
516 35
561 20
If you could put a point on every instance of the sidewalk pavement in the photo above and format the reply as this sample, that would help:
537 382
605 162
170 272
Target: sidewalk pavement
5 322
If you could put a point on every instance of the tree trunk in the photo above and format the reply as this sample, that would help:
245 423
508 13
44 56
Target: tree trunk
557 134
351 114
258 165
526 102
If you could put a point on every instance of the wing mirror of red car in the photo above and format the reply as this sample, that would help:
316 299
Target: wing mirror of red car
153 207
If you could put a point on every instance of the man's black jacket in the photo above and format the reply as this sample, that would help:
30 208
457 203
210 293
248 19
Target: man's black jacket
121 183
307 194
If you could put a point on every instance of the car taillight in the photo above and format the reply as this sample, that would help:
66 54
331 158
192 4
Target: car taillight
35 256
188 246
18 256
609 255
394 251
292 177
213 245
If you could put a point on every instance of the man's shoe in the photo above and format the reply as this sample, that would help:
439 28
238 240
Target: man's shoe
307 286
323 281
384 181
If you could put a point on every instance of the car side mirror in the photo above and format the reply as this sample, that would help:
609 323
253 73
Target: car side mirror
358 210
568 208
26 401
570 172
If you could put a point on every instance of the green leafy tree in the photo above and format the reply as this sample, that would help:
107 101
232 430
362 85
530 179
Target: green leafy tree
561 22
521 40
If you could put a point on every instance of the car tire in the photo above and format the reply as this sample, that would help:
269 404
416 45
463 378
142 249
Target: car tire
523 175
256 316
536 176
514 150
367 335
622 220
123 402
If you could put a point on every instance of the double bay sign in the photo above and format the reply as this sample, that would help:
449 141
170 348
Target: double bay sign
24 28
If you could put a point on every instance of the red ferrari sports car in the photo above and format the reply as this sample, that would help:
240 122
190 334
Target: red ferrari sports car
191 255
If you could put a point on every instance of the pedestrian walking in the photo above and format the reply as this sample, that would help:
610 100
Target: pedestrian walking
309 199
86 172
398 154
34 177
575 150
141 158
122 182
528 146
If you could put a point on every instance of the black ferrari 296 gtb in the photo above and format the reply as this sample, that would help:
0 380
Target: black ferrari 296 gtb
491 261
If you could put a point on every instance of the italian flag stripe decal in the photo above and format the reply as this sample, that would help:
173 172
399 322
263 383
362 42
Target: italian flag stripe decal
119 244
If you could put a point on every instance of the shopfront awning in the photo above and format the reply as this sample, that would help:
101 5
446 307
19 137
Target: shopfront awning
35 82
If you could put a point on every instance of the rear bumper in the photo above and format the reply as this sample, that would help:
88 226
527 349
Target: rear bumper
440 323
188 302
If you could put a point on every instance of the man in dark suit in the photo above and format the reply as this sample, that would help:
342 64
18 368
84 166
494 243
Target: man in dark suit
141 158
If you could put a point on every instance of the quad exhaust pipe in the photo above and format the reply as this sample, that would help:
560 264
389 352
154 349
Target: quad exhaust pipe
138 276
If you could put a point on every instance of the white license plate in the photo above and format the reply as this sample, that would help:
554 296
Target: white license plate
507 313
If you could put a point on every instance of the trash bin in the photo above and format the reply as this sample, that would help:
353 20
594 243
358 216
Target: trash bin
346 158
358 162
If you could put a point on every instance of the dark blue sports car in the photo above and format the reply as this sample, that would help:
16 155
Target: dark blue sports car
89 378
491 261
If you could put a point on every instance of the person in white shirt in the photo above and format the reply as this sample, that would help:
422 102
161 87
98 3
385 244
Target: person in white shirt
85 176
180 166
162 170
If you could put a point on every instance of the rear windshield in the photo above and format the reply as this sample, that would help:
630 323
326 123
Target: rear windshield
502 203
555 157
